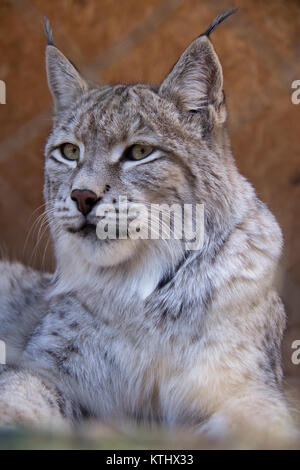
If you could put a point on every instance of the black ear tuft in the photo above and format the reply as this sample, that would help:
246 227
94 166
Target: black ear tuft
219 20
48 31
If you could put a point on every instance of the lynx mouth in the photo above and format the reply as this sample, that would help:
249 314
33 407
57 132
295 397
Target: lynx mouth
85 229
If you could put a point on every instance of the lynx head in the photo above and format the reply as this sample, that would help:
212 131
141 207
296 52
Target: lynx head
152 144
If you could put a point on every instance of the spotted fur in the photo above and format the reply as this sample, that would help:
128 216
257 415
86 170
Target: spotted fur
144 329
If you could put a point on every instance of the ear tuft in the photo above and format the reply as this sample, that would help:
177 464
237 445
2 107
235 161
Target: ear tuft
48 31
220 18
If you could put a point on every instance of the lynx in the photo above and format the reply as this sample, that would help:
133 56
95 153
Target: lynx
146 330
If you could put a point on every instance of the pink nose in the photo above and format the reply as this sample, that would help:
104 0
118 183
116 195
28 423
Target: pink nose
85 200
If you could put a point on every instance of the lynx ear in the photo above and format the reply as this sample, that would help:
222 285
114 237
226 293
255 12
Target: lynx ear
196 80
65 82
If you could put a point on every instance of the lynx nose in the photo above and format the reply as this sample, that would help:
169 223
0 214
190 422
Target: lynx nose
85 200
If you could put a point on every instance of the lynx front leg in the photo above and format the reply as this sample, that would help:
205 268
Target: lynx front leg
256 414
244 402
26 400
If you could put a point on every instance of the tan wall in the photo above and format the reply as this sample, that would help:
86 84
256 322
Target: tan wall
139 40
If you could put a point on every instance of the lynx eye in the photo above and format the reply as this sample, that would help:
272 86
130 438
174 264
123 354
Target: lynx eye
70 151
138 152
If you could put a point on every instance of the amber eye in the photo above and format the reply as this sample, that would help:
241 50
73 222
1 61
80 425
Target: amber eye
138 152
70 151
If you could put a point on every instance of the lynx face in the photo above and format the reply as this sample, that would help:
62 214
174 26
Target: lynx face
152 145
109 130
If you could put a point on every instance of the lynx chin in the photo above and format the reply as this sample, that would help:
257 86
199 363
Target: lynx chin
145 330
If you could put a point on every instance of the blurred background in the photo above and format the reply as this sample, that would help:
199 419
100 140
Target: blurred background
130 41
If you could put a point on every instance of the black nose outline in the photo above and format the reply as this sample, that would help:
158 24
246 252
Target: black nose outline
85 200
